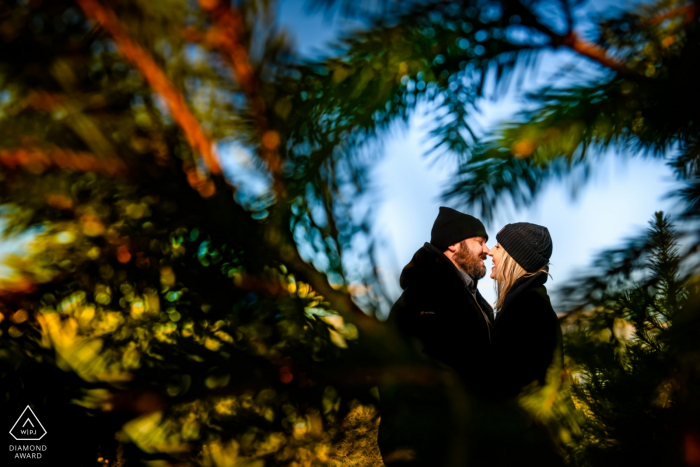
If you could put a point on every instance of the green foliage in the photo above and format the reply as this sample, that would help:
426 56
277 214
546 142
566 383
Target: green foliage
157 309
643 106
158 318
626 357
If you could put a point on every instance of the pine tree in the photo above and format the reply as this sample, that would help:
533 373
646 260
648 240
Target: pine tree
624 354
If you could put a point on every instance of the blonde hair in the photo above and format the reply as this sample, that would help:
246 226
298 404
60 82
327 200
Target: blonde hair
507 272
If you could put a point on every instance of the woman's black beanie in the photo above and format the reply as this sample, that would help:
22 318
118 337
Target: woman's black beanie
452 227
528 244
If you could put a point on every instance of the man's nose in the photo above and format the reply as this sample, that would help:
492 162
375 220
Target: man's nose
486 250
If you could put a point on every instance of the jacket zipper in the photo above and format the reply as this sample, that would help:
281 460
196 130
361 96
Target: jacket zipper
488 326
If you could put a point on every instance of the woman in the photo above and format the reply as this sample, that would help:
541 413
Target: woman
526 355
527 338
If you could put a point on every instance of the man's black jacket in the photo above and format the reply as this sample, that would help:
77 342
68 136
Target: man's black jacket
446 318
444 313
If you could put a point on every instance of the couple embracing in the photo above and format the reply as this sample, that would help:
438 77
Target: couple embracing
494 355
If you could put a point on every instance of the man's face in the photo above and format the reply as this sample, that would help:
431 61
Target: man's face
470 256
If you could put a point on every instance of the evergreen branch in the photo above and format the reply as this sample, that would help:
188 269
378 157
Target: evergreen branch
75 118
287 251
37 160
593 52
689 195
328 201
688 12
554 141
157 79
329 230
568 14
610 275
228 28
579 45
489 176
339 298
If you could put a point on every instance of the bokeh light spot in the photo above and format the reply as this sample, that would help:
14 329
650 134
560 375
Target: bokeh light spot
20 316
271 139
123 255
65 237
523 148
286 375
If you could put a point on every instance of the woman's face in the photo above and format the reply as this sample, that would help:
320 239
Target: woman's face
496 254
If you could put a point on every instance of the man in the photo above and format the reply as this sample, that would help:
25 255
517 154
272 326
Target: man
448 321
441 308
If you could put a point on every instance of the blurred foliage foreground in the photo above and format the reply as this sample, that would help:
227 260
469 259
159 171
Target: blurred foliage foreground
173 312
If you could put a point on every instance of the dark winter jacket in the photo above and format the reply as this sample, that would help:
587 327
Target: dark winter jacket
444 313
527 338
448 323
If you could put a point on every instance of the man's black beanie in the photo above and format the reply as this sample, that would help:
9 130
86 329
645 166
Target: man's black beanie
528 244
452 227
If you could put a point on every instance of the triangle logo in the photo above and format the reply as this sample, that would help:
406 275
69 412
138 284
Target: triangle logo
28 427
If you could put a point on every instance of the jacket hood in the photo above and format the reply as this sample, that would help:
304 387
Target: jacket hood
429 263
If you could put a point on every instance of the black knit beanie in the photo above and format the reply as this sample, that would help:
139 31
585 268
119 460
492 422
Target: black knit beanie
528 244
452 227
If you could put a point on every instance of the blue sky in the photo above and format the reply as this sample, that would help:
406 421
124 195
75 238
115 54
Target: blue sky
617 204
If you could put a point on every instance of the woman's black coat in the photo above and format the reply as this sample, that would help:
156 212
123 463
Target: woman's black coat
527 338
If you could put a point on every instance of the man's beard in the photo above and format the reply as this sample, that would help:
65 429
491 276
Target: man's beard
470 263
